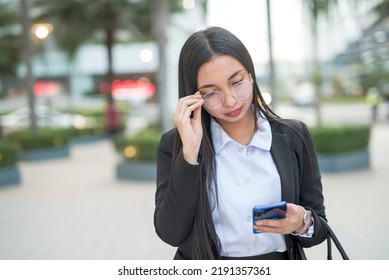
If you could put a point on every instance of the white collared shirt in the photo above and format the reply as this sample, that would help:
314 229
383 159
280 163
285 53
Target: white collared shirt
246 177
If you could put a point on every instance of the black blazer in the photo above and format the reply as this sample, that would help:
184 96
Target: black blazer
293 152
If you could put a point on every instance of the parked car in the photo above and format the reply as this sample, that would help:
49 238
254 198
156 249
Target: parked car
45 117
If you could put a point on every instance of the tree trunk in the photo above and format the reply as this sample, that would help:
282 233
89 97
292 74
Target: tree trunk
109 44
271 61
160 15
27 52
316 73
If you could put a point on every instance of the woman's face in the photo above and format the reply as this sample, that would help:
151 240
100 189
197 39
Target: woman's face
221 74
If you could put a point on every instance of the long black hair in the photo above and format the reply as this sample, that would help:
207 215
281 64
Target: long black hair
197 50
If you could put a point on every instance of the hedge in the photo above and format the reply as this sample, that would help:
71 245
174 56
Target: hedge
142 146
9 153
340 139
42 138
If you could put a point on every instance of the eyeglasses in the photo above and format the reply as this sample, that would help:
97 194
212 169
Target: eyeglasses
240 91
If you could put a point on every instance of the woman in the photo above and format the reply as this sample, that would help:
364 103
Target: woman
229 153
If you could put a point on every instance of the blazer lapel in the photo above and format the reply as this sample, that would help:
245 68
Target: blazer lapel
281 153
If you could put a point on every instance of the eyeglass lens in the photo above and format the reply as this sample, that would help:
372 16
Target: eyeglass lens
240 91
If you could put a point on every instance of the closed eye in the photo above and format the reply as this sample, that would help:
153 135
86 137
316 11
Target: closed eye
211 93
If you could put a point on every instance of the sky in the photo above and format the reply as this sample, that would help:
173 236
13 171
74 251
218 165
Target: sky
247 19
290 32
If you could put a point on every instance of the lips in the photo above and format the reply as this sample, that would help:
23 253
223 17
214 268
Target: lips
234 113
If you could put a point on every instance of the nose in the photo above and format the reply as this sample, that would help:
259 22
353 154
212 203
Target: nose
229 99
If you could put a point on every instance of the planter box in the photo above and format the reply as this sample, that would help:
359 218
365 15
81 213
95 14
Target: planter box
136 170
9 175
344 162
46 153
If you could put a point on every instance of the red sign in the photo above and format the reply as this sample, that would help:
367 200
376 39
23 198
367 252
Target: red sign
46 88
128 89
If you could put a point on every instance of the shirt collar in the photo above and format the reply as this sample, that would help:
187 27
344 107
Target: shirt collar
262 138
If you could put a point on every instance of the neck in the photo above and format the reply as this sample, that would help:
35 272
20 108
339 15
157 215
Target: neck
243 130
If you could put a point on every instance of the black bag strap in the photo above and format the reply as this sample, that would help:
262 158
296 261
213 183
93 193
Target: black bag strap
331 235
300 254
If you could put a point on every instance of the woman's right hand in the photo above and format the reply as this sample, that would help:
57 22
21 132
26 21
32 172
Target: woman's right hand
190 129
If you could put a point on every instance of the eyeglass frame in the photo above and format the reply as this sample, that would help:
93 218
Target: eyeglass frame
242 81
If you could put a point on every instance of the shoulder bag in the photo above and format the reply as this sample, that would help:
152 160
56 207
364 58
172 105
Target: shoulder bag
331 238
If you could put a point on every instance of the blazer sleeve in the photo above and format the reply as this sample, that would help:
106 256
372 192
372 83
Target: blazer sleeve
176 194
311 190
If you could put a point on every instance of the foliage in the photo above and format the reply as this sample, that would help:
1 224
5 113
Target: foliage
374 75
10 39
347 99
73 132
340 139
74 24
9 153
98 112
43 138
142 146
319 8
382 9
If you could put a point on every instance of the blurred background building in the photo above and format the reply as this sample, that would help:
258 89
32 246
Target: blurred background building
78 56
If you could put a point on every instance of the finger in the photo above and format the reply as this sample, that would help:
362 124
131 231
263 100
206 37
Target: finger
194 96
197 111
184 111
182 107
186 102
270 223
267 229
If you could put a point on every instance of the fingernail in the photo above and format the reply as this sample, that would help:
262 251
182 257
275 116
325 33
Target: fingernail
197 93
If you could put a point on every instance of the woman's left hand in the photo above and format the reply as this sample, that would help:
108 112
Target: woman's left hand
292 222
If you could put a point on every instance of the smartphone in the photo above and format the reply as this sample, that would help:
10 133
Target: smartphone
272 211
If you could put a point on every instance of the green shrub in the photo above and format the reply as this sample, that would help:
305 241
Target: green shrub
142 146
98 112
43 138
340 139
9 153
73 132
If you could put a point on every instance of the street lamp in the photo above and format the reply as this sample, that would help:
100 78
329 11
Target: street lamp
42 30
146 55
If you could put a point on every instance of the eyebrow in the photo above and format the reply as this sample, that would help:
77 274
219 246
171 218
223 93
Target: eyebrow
232 76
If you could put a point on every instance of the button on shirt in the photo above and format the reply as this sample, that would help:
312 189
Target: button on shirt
246 177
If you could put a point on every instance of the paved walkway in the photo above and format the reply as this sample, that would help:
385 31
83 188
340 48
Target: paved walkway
75 208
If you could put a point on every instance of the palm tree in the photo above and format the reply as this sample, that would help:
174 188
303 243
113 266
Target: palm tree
145 20
79 24
27 50
160 12
10 40
317 9
271 61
